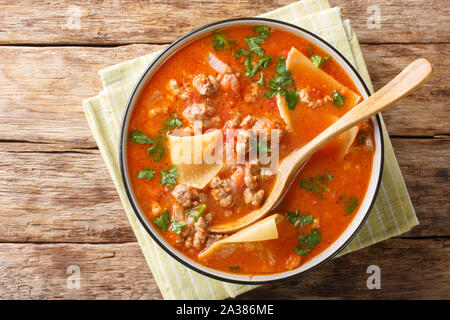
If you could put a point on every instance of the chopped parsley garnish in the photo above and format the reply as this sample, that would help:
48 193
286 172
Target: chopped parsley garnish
330 176
176 227
261 80
279 84
316 185
262 147
309 51
168 178
351 205
147 173
173 123
162 221
301 252
221 41
158 150
138 137
254 45
262 31
362 138
319 61
239 52
235 268
309 241
294 217
250 71
198 211
338 99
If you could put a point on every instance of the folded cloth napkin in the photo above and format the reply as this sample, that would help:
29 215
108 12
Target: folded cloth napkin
392 214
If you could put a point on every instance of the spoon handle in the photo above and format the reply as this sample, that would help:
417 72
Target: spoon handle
406 81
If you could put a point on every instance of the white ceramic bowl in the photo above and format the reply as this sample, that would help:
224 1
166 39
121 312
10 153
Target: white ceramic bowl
364 208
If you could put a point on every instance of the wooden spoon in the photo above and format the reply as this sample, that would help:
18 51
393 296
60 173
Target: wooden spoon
405 82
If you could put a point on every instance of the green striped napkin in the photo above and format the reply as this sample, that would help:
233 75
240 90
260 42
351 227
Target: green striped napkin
392 214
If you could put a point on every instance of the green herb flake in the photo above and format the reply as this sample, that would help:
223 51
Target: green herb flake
198 211
262 31
221 41
319 61
173 123
261 80
292 99
250 71
362 138
316 185
351 205
176 227
330 176
147 174
262 147
281 65
158 150
239 52
300 251
138 137
338 99
168 178
254 45
294 217
235 268
162 221
309 51
311 240
281 83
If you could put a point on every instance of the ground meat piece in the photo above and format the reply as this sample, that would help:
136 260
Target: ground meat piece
253 198
251 176
205 85
183 195
223 191
199 112
201 233
187 196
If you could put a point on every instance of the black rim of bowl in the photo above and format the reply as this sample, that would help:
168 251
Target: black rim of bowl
144 221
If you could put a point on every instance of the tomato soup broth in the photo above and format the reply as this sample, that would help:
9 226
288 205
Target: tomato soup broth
243 78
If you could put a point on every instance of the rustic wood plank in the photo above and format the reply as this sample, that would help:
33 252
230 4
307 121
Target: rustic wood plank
37 94
109 271
135 21
119 271
424 112
410 269
50 195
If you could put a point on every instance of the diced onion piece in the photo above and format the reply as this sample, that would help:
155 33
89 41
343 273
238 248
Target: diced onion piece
217 64
187 154
284 112
265 229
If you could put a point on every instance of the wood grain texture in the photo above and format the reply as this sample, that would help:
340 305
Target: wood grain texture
58 206
154 21
42 89
65 196
119 271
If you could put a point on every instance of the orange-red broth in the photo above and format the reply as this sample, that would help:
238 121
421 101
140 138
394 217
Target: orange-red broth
351 173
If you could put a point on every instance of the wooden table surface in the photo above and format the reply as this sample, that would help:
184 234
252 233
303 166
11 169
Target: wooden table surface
58 206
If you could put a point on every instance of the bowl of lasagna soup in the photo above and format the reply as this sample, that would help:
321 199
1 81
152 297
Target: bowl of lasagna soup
205 131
